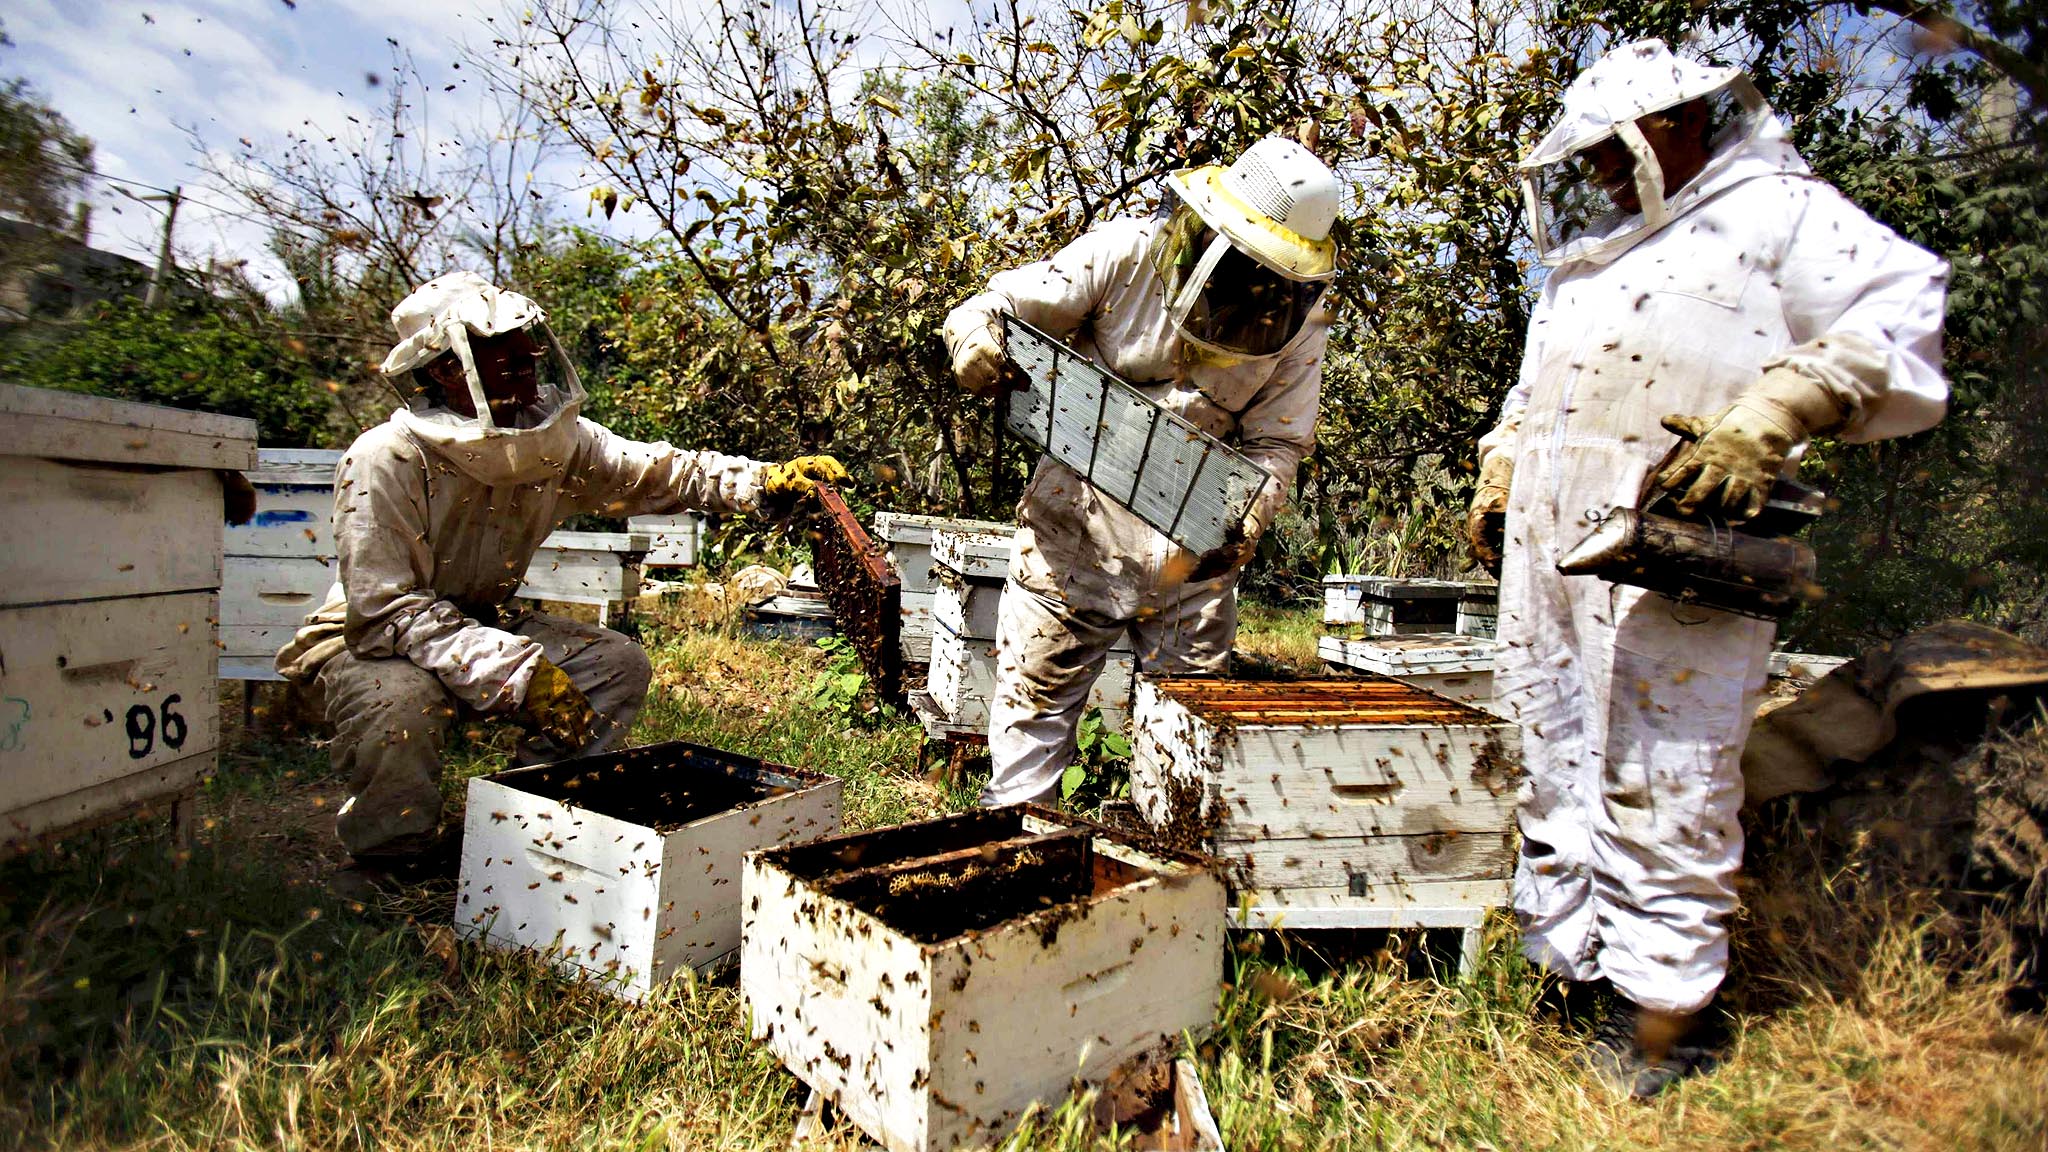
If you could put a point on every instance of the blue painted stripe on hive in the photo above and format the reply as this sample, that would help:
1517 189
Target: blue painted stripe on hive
284 516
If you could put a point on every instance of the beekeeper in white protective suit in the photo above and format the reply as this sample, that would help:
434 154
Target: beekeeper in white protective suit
1214 307
436 514
1704 289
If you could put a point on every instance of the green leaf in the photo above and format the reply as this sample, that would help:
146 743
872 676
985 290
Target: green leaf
1072 779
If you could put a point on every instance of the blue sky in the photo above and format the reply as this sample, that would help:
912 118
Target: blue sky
135 74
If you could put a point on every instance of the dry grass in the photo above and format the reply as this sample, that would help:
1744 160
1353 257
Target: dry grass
148 1001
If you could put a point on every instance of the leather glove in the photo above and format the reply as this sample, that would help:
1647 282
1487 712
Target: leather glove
783 485
1235 552
1486 522
978 362
556 707
1733 457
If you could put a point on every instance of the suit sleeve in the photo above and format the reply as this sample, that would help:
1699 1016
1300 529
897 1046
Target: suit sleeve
618 477
1865 308
1055 295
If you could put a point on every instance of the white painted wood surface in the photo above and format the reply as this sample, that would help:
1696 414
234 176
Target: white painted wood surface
1384 818
98 691
601 568
292 522
614 900
908 540
975 555
962 680
73 426
1479 609
672 541
915 634
969 605
948 1044
1388 605
75 531
1457 667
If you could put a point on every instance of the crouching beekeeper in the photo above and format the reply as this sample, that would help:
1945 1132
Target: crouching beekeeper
436 514
1709 299
1215 308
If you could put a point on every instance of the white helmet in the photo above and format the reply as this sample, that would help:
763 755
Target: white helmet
439 318
1274 207
1570 220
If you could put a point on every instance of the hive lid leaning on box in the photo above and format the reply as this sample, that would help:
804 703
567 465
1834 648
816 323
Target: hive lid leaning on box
1193 488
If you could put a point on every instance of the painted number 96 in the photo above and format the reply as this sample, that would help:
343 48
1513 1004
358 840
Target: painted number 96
146 726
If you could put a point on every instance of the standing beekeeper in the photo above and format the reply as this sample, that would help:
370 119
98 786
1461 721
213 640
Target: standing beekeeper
437 513
1704 286
1215 308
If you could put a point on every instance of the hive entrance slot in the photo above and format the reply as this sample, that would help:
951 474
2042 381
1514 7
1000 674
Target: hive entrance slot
938 897
664 786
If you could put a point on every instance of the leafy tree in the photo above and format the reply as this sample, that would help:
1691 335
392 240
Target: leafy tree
190 353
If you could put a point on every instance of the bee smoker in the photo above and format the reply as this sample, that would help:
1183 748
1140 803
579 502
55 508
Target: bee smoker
1754 569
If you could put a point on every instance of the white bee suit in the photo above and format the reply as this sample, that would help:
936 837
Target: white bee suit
1634 708
1085 571
436 517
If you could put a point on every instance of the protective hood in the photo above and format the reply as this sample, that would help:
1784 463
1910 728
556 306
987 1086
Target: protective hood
1246 253
1571 218
441 317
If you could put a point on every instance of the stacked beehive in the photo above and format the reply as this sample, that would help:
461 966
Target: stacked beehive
968 572
110 573
280 565
1335 803
908 539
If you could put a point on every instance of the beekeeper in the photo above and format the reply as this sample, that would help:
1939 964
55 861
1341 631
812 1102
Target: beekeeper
437 513
1215 308
1708 294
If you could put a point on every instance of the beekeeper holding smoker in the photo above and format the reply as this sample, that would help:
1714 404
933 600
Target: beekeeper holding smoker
437 513
1215 308
1707 294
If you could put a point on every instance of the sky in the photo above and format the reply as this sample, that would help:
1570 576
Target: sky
141 76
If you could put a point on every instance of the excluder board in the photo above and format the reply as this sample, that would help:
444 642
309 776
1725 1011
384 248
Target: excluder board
1192 487
937 980
1334 803
625 866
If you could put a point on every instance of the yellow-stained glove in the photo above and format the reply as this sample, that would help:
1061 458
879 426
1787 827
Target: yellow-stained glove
783 485
1732 457
556 707
978 362
1486 522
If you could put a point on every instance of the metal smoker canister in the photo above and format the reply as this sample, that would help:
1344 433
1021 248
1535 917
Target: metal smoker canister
1696 563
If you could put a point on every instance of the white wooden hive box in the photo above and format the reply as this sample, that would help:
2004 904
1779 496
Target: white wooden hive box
936 980
625 866
1453 666
962 680
1364 796
908 540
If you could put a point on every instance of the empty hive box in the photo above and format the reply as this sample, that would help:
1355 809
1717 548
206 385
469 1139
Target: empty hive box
935 980
626 865
1333 803
1453 666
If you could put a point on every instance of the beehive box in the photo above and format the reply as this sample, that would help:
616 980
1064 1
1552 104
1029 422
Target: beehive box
625 866
1355 803
1384 605
908 540
109 593
672 541
962 681
1189 486
600 568
936 980
1479 609
280 566
1456 667
803 616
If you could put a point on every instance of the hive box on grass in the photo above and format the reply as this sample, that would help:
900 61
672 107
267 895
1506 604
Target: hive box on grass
625 866
1386 605
110 571
908 539
936 980
1353 803
1457 667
